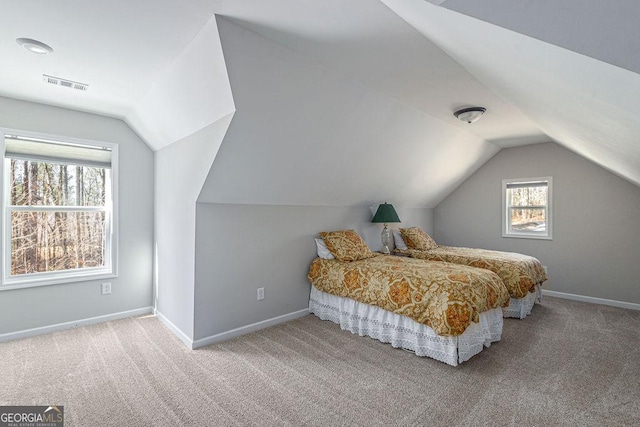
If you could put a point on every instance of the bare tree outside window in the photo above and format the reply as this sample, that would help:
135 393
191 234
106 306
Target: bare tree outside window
527 208
58 216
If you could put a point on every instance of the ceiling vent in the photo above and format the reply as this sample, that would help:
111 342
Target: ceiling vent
65 83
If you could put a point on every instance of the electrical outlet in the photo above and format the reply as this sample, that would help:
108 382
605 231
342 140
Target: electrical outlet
260 294
106 288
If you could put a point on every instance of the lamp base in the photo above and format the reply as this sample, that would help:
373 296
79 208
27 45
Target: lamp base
385 237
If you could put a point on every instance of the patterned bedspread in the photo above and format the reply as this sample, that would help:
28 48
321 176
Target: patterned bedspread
520 273
446 297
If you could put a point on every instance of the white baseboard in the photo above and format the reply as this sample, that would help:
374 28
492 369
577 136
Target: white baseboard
249 328
76 323
176 331
593 300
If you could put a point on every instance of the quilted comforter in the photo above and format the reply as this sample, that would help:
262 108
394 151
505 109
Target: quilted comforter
520 273
446 297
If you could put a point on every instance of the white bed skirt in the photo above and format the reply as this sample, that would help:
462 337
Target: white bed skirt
403 332
520 308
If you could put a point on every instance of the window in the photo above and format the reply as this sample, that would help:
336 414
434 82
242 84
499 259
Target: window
527 208
58 210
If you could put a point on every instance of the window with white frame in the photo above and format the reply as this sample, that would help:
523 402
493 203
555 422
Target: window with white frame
58 210
527 208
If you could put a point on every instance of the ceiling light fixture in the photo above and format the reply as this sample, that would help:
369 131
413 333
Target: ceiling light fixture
34 46
470 114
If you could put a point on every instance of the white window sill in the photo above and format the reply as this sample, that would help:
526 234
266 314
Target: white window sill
527 236
31 282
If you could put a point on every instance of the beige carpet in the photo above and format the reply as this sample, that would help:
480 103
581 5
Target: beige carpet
569 363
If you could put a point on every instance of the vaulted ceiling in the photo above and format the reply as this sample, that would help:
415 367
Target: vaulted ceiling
574 72
545 70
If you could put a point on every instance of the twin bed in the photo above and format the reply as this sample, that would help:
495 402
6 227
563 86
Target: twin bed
523 275
438 308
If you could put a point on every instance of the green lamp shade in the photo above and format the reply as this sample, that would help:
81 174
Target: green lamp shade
385 214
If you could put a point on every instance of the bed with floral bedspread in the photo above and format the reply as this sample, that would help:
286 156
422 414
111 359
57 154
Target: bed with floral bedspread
446 297
520 273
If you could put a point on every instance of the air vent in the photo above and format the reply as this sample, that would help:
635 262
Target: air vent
64 82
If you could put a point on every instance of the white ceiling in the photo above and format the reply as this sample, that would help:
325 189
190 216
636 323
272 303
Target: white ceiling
436 61
122 49
601 29
369 43
118 47
583 103
304 135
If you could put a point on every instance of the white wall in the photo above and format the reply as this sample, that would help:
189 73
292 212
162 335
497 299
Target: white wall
307 151
43 306
240 248
596 233
181 169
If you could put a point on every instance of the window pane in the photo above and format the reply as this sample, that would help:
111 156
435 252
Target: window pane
51 184
528 220
56 241
528 196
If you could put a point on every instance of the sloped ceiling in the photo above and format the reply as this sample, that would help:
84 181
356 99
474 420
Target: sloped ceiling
119 48
367 43
584 104
191 94
546 70
604 30
158 64
304 135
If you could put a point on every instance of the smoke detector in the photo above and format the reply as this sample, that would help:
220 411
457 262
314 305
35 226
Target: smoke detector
64 82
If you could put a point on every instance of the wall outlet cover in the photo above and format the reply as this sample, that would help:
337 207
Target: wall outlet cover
106 288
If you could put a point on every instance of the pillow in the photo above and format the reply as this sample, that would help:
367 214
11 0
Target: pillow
397 239
346 245
323 252
416 238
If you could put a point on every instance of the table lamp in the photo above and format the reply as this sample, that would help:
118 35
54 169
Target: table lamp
385 214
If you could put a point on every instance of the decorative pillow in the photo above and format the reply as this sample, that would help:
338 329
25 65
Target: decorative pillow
323 252
346 245
416 238
397 239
